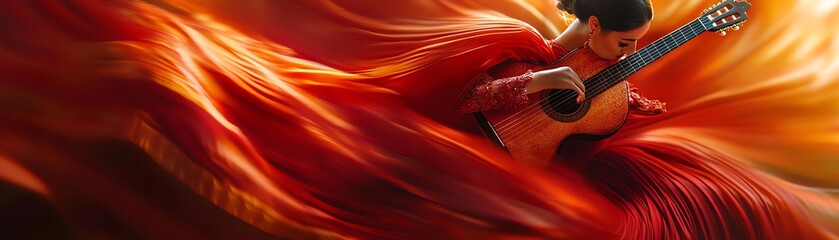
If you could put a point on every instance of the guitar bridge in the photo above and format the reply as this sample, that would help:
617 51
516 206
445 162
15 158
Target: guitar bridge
489 130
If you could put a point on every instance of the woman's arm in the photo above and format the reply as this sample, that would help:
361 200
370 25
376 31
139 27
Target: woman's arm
512 92
491 93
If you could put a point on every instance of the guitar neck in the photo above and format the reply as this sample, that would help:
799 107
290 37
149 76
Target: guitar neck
618 72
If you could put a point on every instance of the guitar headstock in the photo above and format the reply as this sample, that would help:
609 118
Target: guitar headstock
724 16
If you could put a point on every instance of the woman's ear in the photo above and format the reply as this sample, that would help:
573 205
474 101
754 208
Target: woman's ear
594 24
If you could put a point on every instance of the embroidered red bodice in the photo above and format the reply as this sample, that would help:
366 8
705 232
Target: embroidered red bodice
509 92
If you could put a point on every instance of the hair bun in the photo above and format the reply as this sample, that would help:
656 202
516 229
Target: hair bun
566 5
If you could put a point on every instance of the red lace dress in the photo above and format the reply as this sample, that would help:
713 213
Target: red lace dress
510 92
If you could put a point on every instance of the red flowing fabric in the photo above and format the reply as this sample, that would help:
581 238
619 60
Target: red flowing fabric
328 119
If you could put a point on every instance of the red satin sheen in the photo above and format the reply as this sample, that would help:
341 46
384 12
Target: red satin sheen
322 121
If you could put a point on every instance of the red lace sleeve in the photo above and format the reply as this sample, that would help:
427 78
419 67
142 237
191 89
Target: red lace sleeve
638 102
491 93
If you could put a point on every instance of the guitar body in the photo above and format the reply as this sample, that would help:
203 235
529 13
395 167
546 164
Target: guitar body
533 133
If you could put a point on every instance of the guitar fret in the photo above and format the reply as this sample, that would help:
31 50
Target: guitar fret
602 81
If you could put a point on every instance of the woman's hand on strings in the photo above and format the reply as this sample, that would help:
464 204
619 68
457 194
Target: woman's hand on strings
557 78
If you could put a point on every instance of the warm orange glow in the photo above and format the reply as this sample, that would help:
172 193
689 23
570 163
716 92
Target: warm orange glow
292 116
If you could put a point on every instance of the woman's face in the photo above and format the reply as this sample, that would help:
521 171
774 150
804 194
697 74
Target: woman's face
614 44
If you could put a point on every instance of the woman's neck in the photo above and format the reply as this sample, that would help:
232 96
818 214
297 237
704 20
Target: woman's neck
574 36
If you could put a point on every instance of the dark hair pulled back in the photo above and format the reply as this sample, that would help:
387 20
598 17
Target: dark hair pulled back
614 15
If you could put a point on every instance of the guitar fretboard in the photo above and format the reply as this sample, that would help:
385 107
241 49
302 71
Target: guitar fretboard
616 73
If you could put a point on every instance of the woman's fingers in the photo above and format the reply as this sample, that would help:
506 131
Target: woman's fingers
576 87
558 78
581 95
578 84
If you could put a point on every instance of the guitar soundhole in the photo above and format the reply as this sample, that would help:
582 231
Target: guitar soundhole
562 105
563 101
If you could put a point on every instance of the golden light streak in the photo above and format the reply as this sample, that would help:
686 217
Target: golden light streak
19 175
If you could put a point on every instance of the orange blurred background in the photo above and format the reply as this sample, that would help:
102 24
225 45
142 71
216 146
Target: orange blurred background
75 160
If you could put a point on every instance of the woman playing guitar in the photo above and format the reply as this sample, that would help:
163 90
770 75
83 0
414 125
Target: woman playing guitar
610 28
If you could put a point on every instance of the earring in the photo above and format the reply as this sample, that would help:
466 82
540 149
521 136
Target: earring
590 32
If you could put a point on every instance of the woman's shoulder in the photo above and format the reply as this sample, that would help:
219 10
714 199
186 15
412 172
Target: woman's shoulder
558 48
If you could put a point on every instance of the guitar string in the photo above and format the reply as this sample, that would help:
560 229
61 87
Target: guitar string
692 26
632 63
702 28
515 115
544 99
599 88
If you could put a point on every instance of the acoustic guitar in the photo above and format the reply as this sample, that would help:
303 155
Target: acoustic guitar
534 132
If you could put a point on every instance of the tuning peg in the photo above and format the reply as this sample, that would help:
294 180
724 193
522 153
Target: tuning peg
735 28
722 33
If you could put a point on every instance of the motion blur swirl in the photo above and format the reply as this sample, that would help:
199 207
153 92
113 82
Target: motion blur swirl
310 119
